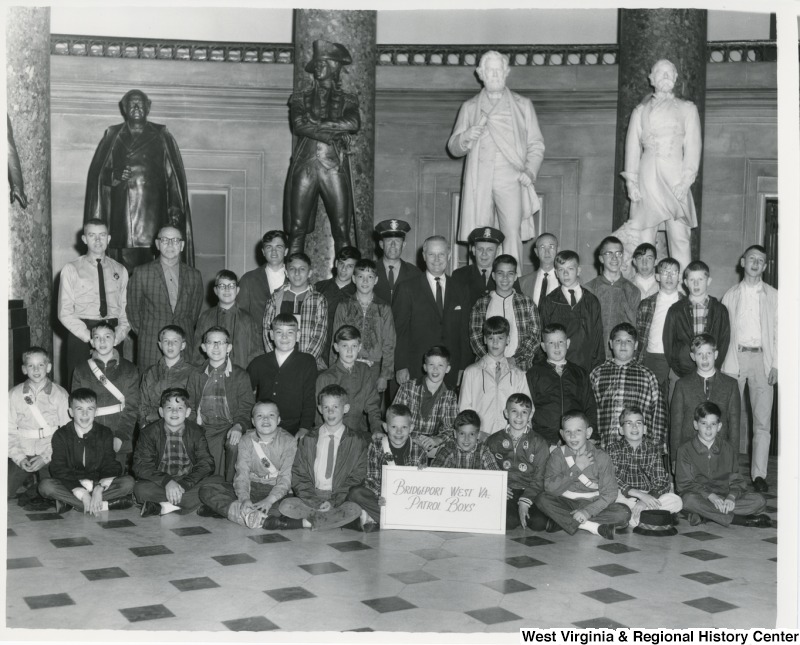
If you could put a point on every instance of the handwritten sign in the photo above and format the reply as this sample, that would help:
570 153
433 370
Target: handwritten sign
444 499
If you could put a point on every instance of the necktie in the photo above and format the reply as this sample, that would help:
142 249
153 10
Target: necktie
101 281
572 301
329 463
543 292
485 283
391 278
439 297
497 372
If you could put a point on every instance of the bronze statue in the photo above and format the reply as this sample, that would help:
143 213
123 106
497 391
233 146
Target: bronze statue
16 183
324 118
137 185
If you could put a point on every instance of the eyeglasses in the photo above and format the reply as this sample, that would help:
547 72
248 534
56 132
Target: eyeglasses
217 343
170 241
669 274
633 424
612 254
226 287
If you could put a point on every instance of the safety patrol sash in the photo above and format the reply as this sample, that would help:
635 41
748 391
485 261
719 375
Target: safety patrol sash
273 472
583 479
113 390
45 429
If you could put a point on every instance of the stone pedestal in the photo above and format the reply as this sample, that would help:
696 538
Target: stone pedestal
28 104
355 30
645 36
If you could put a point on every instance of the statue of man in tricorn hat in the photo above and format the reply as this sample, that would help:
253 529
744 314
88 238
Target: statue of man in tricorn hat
324 118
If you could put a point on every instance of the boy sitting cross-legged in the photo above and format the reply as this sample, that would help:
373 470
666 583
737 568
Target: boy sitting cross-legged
263 475
644 483
396 448
488 383
329 462
579 484
523 453
466 451
172 459
172 370
707 477
85 473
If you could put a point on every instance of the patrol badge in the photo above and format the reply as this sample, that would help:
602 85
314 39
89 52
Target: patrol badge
523 467
103 380
498 455
530 457
506 443
394 225
116 276
487 232
506 464
525 444
28 399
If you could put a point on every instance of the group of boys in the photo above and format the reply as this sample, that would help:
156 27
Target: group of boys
543 382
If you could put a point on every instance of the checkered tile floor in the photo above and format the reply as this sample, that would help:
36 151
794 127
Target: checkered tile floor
194 573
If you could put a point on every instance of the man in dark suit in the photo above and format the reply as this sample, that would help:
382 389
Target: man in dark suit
391 269
163 292
477 277
431 309
256 286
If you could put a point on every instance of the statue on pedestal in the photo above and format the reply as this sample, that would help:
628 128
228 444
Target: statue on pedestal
324 118
662 159
137 185
498 132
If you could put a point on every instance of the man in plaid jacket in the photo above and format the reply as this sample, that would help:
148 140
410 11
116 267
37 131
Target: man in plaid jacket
518 309
306 304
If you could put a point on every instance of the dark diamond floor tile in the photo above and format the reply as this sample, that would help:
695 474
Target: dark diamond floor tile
710 605
284 594
194 584
108 573
146 612
144 551
63 543
704 555
599 623
523 561
251 624
319 568
771 540
268 538
390 603
350 545
493 615
116 524
414 577
701 536
22 563
187 531
43 517
510 585
234 558
607 595
706 577
613 570
48 601
532 540
10 533
361 629
617 548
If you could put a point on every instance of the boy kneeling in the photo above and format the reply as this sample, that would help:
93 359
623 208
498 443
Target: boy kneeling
263 475
329 462
172 459
84 467
579 485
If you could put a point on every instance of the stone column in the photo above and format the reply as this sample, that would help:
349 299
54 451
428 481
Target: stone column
356 30
28 104
645 36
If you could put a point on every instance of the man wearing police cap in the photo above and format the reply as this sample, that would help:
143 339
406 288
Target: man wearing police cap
392 270
324 118
477 277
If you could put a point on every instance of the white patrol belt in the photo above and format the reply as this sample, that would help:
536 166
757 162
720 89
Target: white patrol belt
366 361
44 429
113 390
570 494
273 472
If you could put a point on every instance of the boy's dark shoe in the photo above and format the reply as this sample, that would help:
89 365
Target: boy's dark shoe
695 519
62 507
758 521
606 531
370 527
121 503
273 523
38 505
760 485
552 526
150 508
207 511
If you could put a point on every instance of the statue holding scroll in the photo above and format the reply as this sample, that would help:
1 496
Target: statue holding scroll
662 158
324 118
137 185
498 132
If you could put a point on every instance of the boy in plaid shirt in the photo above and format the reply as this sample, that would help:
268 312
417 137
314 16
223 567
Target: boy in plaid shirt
433 405
466 452
644 483
396 448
